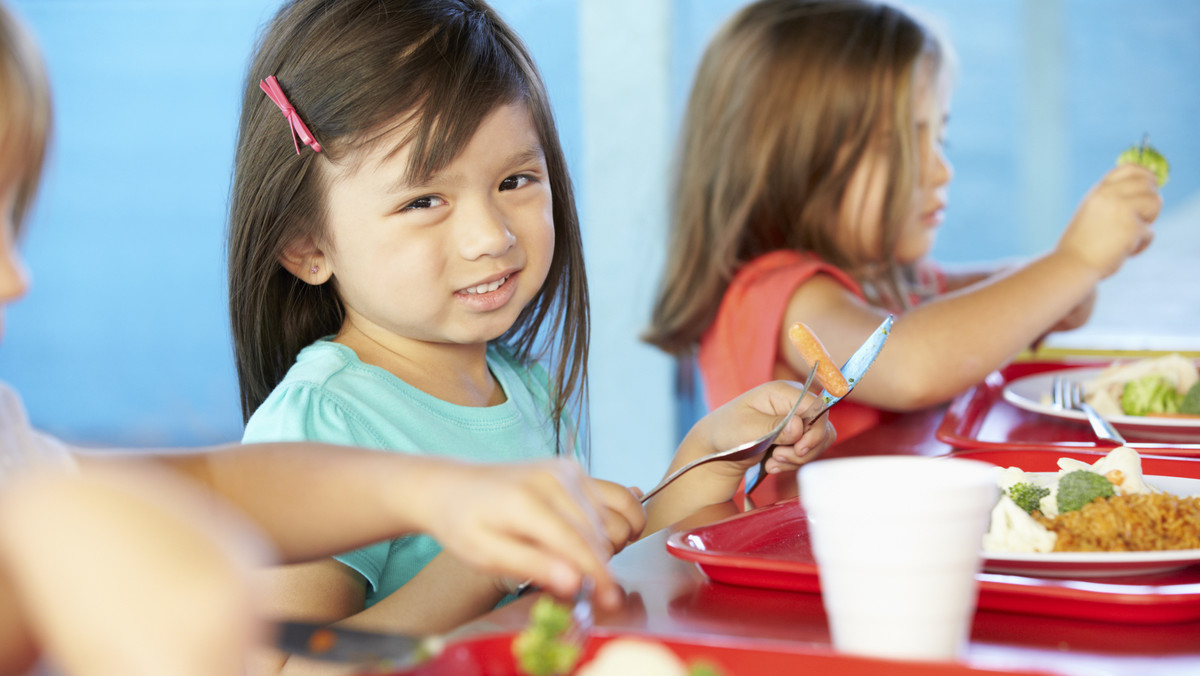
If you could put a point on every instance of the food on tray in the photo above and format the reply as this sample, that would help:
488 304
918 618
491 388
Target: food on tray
1105 506
1165 385
1027 495
1078 488
540 650
814 352
627 656
1139 522
1148 157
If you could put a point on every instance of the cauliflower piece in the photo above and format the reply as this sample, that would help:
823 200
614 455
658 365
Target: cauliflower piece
1014 530
623 656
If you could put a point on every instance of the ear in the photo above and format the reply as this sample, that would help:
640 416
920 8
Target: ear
304 259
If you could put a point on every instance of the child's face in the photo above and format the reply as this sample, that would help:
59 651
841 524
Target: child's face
862 210
453 260
13 279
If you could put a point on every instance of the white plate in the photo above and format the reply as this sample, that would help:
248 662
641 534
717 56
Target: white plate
1101 564
1032 393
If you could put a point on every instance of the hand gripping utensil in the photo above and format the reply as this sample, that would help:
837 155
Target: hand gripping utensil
853 370
746 450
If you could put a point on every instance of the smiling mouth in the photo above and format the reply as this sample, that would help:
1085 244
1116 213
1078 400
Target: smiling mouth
485 288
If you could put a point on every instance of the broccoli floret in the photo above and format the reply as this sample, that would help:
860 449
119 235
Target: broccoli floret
1076 489
1027 496
1191 400
1149 394
538 648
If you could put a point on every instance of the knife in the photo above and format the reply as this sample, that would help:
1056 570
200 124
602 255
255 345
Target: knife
859 362
335 644
853 370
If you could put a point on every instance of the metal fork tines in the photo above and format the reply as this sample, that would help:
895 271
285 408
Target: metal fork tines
1068 395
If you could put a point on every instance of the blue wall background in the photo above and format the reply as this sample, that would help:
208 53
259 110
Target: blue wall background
124 337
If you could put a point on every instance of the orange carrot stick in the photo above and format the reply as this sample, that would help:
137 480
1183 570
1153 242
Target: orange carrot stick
814 352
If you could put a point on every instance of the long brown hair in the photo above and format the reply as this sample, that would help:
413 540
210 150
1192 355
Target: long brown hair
25 113
355 70
789 98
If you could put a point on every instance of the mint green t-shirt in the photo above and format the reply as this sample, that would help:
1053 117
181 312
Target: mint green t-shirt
330 396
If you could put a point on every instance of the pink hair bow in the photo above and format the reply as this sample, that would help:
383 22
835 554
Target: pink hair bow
273 91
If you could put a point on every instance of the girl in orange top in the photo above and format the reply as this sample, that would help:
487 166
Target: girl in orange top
812 181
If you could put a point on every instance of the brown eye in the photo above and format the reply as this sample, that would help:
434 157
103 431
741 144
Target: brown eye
514 182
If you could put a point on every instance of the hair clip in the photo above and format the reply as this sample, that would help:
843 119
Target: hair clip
273 91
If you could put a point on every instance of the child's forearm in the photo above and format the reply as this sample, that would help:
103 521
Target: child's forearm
943 347
699 487
443 595
315 500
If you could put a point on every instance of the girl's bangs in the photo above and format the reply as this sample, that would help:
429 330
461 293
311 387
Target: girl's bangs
450 83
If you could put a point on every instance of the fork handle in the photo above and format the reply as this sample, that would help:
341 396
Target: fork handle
1100 426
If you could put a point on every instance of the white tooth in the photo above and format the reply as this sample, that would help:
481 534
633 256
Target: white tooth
482 288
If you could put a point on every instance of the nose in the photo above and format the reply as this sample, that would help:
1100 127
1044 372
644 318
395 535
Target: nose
936 170
484 231
14 279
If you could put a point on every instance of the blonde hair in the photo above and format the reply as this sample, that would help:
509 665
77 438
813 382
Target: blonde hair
789 97
353 69
25 113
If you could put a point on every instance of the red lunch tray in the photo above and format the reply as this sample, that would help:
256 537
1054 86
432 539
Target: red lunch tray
769 548
981 419
491 655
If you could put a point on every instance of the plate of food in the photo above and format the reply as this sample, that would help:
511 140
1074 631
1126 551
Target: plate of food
1156 398
1093 520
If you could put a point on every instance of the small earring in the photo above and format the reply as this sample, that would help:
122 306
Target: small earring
314 269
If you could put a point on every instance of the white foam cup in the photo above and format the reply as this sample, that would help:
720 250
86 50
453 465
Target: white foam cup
897 540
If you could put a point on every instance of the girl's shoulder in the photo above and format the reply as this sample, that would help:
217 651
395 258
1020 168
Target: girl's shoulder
321 399
22 448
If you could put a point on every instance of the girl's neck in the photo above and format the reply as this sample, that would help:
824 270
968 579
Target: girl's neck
458 374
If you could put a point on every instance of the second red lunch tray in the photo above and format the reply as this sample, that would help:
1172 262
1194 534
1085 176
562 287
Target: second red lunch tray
769 548
981 419
491 655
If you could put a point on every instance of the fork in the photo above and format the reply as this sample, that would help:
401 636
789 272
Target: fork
582 618
746 450
1067 395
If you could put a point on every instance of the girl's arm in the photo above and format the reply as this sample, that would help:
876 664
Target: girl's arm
745 418
528 520
124 575
946 345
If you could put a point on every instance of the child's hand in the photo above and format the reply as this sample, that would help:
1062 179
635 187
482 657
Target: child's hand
545 521
1113 221
757 411
623 514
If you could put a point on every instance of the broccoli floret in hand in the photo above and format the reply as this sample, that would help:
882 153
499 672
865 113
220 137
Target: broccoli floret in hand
1076 489
1149 394
1027 496
539 649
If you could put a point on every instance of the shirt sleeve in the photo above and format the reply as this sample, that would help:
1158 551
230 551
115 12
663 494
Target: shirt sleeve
308 413
740 348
